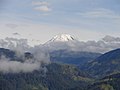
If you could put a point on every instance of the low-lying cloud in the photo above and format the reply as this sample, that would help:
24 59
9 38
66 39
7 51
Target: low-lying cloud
20 46
7 66
25 65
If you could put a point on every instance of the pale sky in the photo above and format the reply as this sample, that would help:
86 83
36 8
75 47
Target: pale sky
40 20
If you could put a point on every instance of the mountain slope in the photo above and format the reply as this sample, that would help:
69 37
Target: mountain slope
105 64
111 82
73 57
58 77
52 76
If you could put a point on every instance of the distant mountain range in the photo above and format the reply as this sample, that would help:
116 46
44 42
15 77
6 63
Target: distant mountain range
69 68
77 58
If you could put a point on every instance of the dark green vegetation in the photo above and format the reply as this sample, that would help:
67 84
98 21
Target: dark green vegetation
102 73
111 82
58 77
106 64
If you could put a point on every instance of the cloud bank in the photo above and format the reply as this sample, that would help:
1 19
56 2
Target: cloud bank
7 66
22 64
104 45
38 62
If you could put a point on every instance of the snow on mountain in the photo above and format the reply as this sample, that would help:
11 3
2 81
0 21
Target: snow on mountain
61 38
63 41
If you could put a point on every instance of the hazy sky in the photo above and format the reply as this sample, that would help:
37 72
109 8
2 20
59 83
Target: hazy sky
42 19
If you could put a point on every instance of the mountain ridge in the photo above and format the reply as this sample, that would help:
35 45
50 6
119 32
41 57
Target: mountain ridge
106 64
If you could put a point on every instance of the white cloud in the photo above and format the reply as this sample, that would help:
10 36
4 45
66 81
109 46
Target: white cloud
40 57
42 8
16 67
111 39
100 13
26 65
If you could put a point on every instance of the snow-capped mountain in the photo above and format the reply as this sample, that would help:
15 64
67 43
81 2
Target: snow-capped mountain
61 38
61 42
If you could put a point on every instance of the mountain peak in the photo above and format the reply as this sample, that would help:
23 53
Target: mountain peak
61 42
62 38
